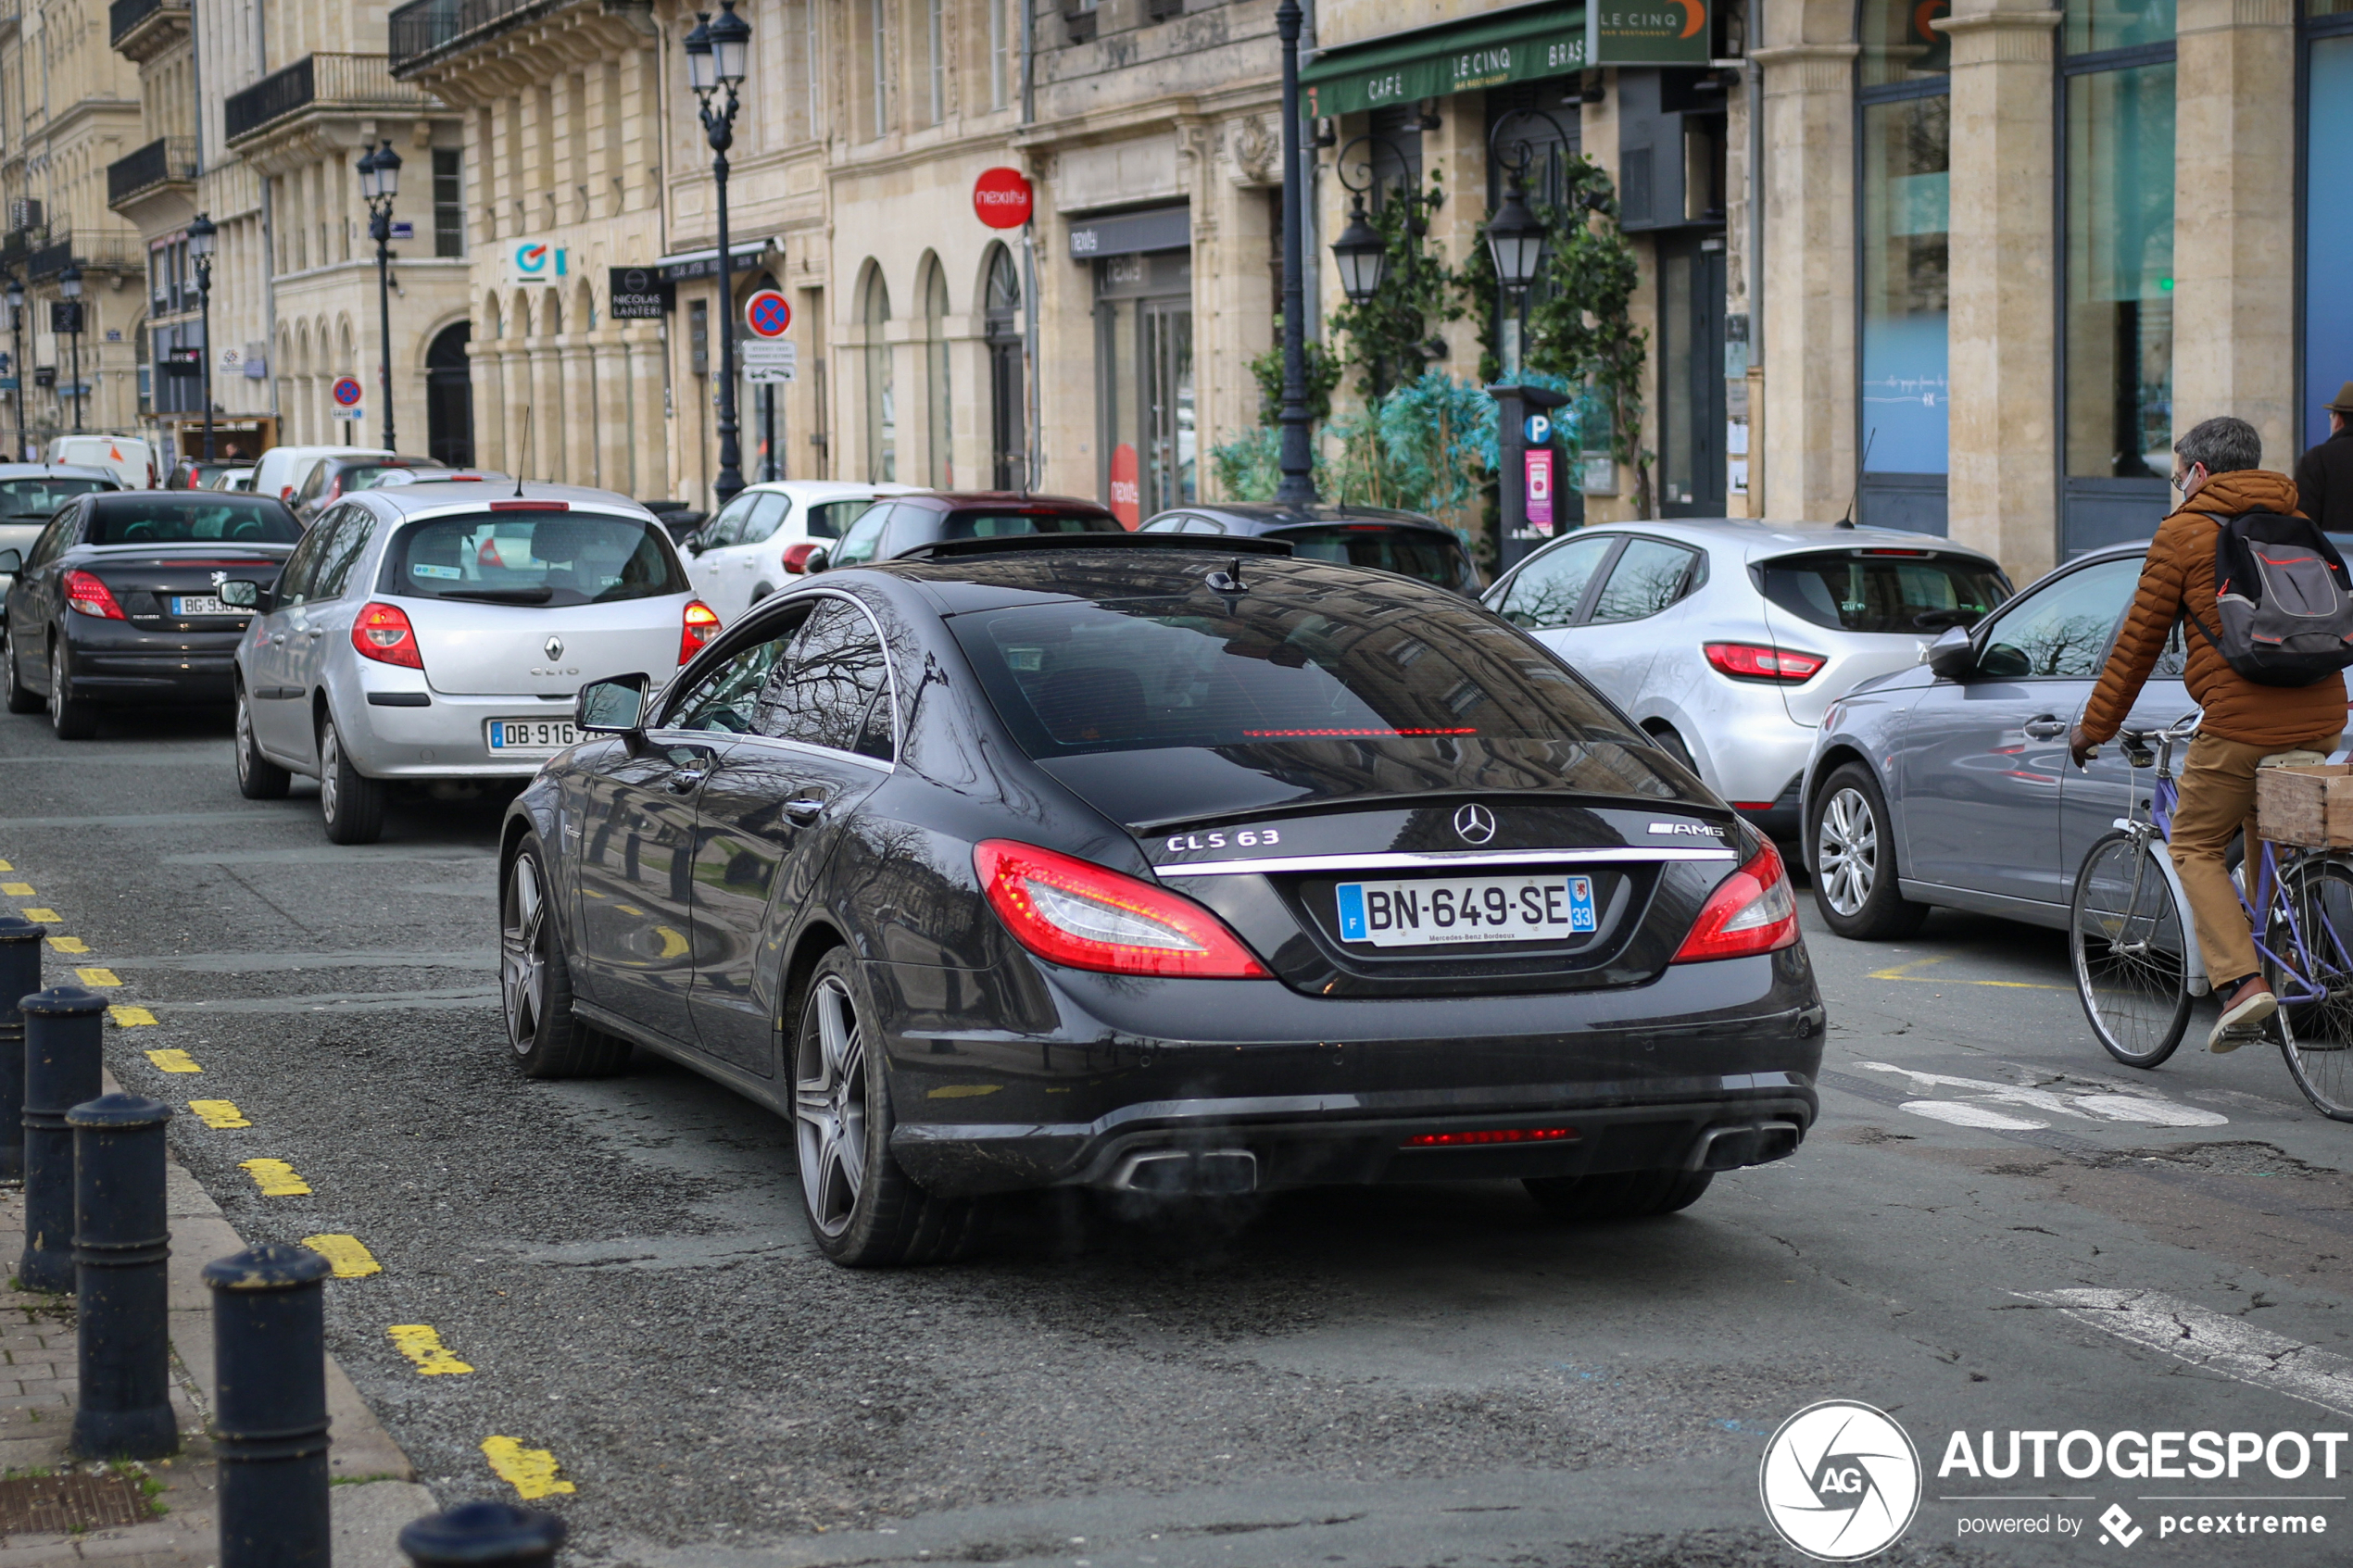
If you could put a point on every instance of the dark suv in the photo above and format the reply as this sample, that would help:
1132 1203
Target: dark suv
898 523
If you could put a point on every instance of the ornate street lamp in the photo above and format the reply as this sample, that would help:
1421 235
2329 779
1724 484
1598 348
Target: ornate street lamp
69 285
1297 486
718 56
203 235
379 183
1515 242
15 356
1362 256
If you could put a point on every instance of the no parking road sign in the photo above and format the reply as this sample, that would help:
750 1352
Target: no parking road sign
768 313
346 393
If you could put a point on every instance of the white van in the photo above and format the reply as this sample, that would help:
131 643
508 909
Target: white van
126 456
282 469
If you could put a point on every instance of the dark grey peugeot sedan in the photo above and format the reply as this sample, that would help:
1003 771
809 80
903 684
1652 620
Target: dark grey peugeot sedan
1113 863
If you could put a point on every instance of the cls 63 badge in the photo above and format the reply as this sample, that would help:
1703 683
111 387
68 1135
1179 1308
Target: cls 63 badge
1246 838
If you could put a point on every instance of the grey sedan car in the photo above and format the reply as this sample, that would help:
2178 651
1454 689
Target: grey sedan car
1948 784
1727 639
439 632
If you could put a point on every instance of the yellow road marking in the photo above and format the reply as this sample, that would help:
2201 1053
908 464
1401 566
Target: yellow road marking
47 917
422 1345
590 893
672 943
530 1471
629 908
962 1091
1903 971
17 889
351 1259
100 978
173 1062
126 1016
68 944
219 1114
274 1177
6 866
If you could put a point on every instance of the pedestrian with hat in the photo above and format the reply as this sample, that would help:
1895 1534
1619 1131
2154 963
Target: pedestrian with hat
2324 477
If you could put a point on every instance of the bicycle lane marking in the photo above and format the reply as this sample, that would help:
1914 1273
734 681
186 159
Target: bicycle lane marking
1982 1102
2210 1340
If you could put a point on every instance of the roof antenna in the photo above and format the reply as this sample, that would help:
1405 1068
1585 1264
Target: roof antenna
1848 521
1228 580
525 457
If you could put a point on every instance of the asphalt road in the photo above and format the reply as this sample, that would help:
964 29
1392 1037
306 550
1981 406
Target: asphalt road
1414 1375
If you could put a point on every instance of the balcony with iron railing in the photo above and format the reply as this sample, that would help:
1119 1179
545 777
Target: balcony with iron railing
46 251
423 31
166 161
358 83
138 27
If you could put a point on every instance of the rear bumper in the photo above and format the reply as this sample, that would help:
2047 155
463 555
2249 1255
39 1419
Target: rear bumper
113 662
1785 818
390 736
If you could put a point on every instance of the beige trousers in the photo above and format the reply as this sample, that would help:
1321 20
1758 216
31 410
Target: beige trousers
2217 802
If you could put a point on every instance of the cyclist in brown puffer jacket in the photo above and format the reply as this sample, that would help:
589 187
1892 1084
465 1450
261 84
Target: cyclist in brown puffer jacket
2214 467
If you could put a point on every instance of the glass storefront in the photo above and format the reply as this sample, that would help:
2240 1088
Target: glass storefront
1905 131
1144 379
2328 221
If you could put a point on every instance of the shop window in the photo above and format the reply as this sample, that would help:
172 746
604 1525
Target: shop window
1008 453
2328 222
1144 382
935 389
882 411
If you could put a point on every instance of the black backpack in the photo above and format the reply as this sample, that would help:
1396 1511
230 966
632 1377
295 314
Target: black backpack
2284 597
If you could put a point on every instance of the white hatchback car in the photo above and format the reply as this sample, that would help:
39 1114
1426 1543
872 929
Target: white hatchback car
762 539
1726 639
441 632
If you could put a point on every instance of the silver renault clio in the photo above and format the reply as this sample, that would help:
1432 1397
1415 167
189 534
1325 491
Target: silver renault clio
440 632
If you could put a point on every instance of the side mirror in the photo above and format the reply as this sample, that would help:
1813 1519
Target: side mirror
11 562
242 593
815 563
1953 655
696 544
615 707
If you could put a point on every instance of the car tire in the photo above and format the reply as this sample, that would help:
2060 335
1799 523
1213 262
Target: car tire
21 697
1853 860
1672 744
257 777
1619 1195
758 594
71 717
863 1211
352 804
535 984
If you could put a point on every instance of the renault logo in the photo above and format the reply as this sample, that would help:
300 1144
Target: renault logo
1475 825
554 648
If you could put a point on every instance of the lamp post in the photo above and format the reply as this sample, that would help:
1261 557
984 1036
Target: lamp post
69 285
717 54
1516 243
15 353
203 234
378 182
1362 252
1297 486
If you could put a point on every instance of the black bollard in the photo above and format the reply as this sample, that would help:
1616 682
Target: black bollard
485 1534
269 1409
120 1242
62 1029
20 977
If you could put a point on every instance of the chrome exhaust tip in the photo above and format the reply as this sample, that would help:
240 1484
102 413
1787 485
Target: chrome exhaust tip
1180 1172
1754 1142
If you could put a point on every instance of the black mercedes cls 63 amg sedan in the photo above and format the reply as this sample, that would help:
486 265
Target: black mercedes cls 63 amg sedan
1120 863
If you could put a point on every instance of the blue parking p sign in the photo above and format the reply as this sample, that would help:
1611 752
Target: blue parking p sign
1539 430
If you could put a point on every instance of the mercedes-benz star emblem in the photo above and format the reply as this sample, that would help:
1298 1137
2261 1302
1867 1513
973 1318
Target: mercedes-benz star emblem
1475 825
554 648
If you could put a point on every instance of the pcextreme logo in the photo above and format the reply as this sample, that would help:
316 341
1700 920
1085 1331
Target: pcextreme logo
1840 1481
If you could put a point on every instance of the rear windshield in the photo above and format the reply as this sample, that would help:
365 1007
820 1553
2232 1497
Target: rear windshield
21 498
1143 674
531 558
1885 590
997 525
375 476
157 517
1414 552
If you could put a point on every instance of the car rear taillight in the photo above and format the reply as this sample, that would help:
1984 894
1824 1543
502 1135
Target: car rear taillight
701 625
1075 912
1753 661
797 557
382 632
1751 911
91 596
1491 1136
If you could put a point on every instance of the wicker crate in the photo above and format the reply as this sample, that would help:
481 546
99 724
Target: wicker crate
2309 804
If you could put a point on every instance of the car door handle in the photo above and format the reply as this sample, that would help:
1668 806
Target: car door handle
2046 727
804 811
315 632
688 780
277 639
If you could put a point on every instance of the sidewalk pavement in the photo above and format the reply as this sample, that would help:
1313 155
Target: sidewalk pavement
46 1493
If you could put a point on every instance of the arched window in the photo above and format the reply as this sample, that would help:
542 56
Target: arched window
882 412
936 377
449 397
1001 307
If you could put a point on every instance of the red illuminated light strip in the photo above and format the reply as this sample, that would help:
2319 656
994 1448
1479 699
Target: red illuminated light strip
1491 1136
1271 734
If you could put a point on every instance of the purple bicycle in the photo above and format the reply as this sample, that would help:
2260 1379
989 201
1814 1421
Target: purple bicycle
2135 953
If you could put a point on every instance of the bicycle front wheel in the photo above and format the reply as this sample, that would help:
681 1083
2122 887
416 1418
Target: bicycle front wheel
2310 933
2124 940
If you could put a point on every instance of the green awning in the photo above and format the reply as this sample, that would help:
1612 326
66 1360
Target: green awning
1520 46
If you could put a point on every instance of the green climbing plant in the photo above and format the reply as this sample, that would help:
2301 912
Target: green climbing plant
1388 336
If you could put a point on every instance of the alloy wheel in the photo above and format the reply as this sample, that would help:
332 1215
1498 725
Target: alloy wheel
523 964
1846 851
329 762
829 1107
245 738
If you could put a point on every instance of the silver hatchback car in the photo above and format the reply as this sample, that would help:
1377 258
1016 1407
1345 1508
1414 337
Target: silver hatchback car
439 632
1727 638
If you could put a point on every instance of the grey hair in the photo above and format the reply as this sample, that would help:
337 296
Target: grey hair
2222 445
